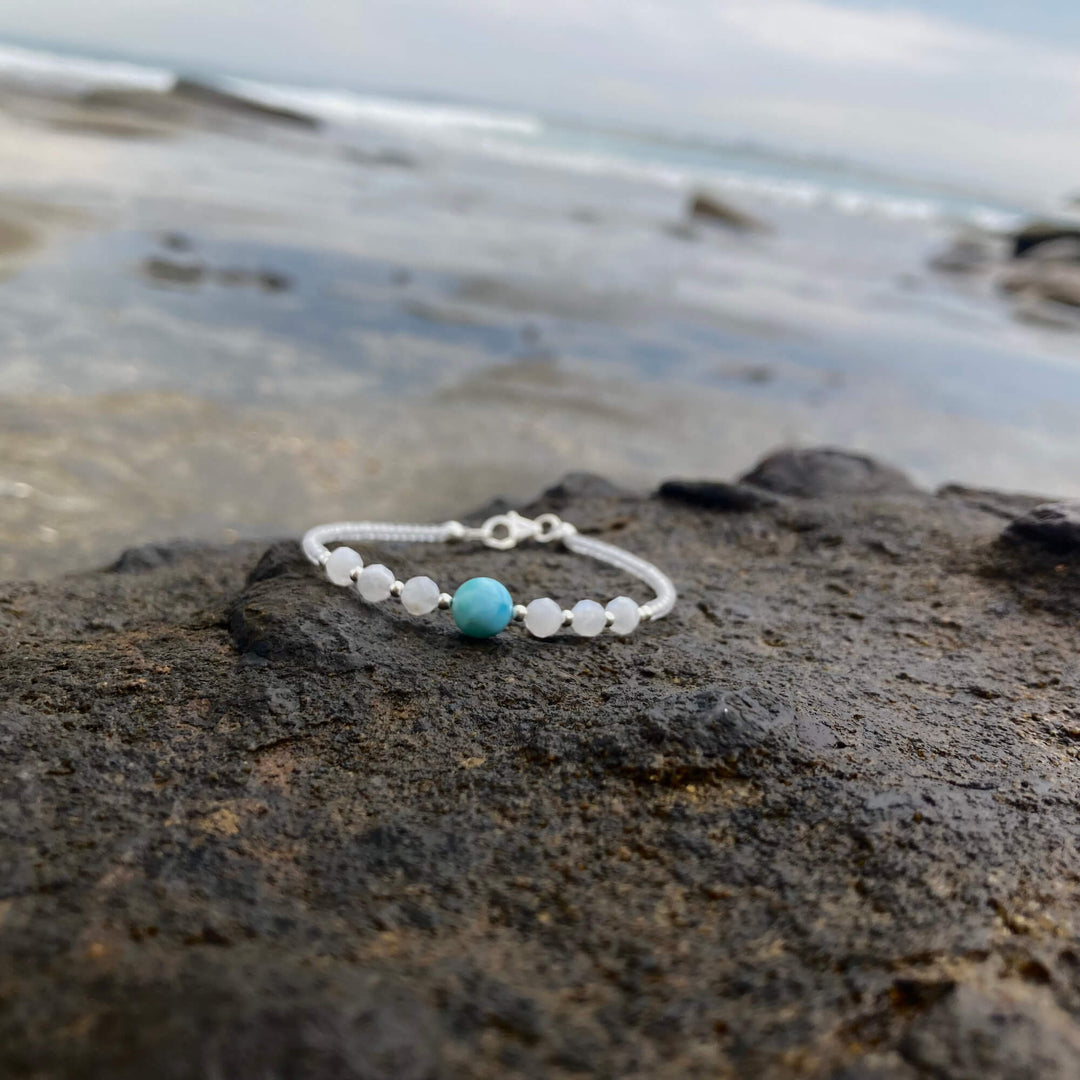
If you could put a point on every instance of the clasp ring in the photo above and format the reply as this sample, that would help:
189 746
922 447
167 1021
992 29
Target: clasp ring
506 531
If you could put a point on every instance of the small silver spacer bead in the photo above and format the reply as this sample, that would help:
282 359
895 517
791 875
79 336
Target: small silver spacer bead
445 600
609 618
645 612
397 588
324 558
567 618
355 572
455 530
520 611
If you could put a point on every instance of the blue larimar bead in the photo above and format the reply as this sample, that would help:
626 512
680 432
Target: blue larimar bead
482 607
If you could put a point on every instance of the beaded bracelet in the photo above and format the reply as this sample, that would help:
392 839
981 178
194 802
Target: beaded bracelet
482 606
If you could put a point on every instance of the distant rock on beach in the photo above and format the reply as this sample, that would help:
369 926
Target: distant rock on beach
1044 276
1046 280
214 97
1037 266
187 103
1035 235
711 209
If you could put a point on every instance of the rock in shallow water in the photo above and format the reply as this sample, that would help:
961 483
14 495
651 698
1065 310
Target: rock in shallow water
1036 234
1054 526
704 206
820 472
253 825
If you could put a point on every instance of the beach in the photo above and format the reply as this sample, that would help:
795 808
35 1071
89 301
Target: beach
229 313
685 686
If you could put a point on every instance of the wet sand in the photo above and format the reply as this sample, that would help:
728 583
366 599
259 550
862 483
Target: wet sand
27 225
85 477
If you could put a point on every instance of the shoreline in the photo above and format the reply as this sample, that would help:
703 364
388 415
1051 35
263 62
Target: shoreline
244 328
83 478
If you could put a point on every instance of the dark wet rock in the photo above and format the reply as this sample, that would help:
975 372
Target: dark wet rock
188 103
177 241
273 281
1060 249
713 210
717 495
820 472
1043 280
1032 237
204 94
1054 526
173 271
819 822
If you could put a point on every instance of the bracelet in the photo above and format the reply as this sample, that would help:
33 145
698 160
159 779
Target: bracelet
482 606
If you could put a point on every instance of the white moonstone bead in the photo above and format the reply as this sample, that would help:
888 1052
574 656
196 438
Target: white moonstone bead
543 617
420 596
625 614
342 562
589 618
374 582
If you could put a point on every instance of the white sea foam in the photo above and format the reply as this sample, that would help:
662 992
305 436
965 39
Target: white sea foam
344 107
524 139
40 68
781 190
520 138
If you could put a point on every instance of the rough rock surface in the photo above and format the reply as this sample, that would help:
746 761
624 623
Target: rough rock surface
820 822
717 494
1055 526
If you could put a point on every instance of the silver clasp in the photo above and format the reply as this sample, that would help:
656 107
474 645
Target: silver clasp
506 531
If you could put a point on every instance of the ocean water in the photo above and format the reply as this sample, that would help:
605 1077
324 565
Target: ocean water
465 299
665 158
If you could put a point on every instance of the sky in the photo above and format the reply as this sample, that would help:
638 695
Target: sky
977 90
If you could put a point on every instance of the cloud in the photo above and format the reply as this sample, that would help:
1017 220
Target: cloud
828 34
899 83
